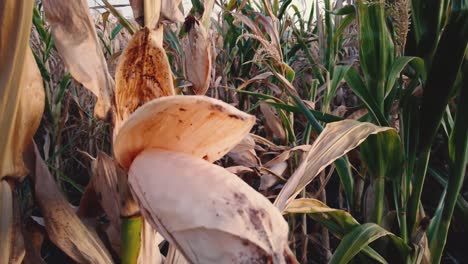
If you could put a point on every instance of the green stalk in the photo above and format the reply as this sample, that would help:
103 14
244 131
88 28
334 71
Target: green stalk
458 151
131 238
379 191
419 177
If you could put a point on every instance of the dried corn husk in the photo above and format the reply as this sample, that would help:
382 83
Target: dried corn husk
197 125
76 40
232 223
197 56
143 73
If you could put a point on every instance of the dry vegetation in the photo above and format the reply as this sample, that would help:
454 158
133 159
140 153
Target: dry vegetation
256 134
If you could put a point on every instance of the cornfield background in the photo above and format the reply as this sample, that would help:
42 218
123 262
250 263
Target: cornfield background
234 131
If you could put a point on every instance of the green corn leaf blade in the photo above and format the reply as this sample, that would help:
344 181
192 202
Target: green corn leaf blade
398 66
447 60
345 10
339 222
458 154
461 205
428 17
376 50
359 88
323 117
360 237
383 156
338 75
345 22
116 31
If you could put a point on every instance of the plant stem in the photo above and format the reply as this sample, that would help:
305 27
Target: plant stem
131 237
380 197
419 177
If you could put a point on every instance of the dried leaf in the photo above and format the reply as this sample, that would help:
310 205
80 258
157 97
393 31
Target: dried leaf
244 153
76 40
34 237
174 256
17 240
143 73
29 113
138 14
335 140
170 11
249 228
238 170
197 56
286 155
15 20
149 249
276 172
197 125
63 226
273 125
6 221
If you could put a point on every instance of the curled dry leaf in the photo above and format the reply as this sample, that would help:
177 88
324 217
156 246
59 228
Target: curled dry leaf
273 125
76 40
156 11
244 153
197 55
170 11
143 73
28 116
63 226
286 155
197 125
276 171
335 140
249 228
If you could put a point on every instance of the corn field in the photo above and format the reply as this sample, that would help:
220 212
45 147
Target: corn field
234 131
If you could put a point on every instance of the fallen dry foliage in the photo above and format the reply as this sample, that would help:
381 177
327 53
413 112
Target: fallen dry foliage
63 226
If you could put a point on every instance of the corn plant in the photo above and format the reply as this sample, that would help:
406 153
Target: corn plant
315 148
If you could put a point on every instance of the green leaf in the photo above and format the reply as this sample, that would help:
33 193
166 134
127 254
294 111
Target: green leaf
359 238
338 75
359 88
376 49
398 66
339 222
346 10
